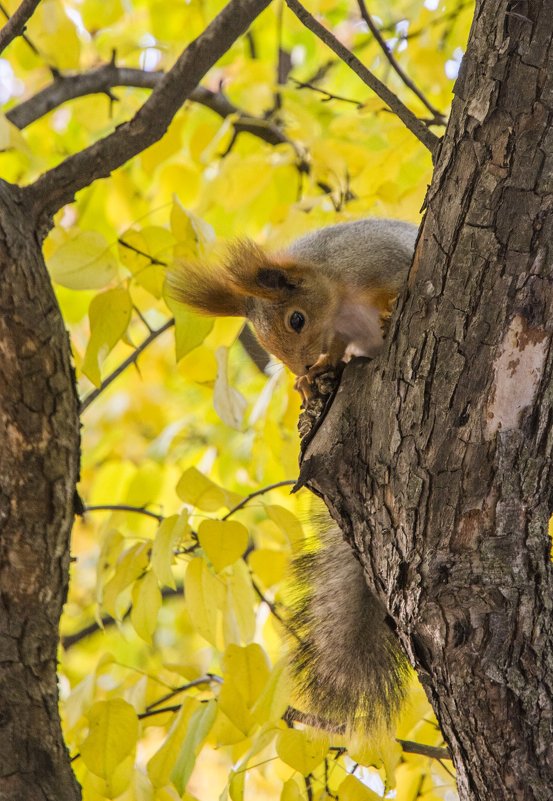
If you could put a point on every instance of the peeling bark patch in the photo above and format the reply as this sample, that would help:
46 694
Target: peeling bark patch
517 375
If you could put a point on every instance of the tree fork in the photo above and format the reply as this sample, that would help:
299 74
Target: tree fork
436 458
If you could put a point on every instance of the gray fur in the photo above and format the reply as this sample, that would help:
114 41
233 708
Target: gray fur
374 246
348 661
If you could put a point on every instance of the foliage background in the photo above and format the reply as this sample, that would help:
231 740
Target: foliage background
192 427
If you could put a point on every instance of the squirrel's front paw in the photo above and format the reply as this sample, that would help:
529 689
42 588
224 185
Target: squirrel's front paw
303 385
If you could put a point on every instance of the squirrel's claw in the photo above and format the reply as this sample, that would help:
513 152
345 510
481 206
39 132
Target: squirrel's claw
303 385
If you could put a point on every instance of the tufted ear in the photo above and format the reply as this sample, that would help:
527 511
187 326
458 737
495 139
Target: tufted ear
277 279
206 289
259 274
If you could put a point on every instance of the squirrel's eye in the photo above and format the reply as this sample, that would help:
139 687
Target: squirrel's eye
297 321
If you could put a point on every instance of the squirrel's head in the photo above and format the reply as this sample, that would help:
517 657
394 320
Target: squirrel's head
289 303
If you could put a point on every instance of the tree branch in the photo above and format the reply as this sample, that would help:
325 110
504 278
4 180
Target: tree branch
15 25
102 80
395 65
416 126
59 185
123 507
123 366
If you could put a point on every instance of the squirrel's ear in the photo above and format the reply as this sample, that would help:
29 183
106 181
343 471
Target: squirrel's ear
206 289
276 278
259 274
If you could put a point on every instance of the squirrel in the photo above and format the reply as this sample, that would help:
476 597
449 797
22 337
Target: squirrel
326 297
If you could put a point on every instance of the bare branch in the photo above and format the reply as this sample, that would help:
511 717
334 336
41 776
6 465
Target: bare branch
262 491
416 126
102 80
15 25
123 507
107 620
431 751
59 185
126 363
395 65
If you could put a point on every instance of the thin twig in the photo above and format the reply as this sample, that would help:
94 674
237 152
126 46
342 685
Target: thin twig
209 678
412 122
15 25
327 95
91 397
395 64
431 751
123 507
262 491
107 621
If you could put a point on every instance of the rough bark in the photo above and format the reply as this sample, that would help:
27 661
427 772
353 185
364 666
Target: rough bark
39 459
436 458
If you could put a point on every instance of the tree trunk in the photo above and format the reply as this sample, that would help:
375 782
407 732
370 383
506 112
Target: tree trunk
436 458
39 462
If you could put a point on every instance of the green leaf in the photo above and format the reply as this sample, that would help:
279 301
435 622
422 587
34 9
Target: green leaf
201 723
162 763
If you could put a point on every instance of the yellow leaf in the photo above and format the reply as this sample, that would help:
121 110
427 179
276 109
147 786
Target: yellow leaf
239 614
229 404
248 668
302 750
163 761
112 736
351 789
170 532
380 750
224 541
291 792
198 490
83 261
130 566
145 253
98 14
193 235
109 315
275 696
236 785
204 595
146 602
190 328
225 331
234 707
287 522
11 137
53 33
269 564
199 365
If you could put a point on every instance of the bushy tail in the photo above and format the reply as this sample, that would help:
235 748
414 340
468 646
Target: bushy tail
349 664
